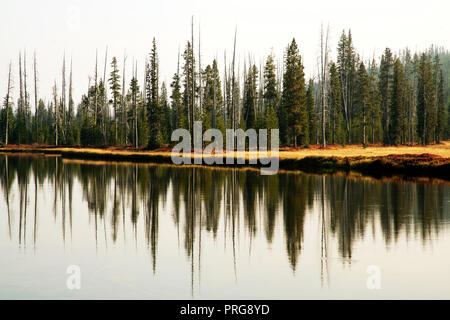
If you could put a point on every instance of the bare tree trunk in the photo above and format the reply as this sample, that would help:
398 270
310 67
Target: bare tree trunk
199 74
214 97
136 143
35 99
63 97
95 93
323 80
193 75
20 104
225 92
7 106
55 100
25 86
233 104
104 107
124 107
71 111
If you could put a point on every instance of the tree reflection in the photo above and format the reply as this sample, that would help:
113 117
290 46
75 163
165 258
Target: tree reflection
236 204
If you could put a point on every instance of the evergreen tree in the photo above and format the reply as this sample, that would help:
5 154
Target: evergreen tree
134 90
166 123
271 94
212 98
179 119
374 112
425 101
154 108
312 114
397 121
440 103
190 86
293 101
114 82
250 98
362 100
385 91
337 122
347 72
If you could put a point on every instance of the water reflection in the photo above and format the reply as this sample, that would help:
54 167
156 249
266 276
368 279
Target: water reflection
239 204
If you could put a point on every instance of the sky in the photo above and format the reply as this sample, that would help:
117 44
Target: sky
78 28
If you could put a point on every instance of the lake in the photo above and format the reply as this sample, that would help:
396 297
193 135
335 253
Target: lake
142 231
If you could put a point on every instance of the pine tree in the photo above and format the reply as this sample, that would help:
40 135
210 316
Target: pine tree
134 89
293 105
179 116
57 123
397 120
250 98
271 94
7 104
154 108
165 120
362 100
374 111
410 95
385 91
337 123
347 72
114 81
212 98
311 113
440 103
190 86
425 101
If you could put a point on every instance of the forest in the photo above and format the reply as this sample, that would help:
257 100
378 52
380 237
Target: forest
400 98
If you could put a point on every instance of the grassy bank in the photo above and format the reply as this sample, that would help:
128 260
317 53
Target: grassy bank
415 161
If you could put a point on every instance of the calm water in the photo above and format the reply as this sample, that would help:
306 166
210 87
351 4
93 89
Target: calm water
162 232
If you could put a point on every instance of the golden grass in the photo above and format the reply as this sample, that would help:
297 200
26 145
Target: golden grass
442 150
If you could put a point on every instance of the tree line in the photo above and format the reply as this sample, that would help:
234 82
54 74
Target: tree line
401 98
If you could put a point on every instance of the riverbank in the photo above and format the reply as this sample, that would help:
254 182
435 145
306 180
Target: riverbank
378 161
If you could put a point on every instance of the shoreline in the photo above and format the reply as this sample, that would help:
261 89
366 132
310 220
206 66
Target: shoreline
426 164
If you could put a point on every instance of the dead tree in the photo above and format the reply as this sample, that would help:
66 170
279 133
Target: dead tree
25 85
8 92
95 89
323 79
136 131
71 111
199 74
20 107
193 75
35 97
55 101
233 83
63 98
124 107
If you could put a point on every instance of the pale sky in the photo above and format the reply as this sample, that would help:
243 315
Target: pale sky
78 28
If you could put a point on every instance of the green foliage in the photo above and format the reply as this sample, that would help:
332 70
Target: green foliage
312 115
426 99
293 100
397 123
250 98
396 100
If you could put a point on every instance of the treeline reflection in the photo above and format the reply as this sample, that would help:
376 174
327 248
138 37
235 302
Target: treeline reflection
221 201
